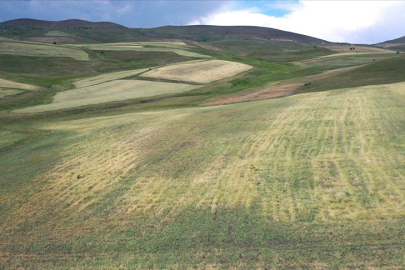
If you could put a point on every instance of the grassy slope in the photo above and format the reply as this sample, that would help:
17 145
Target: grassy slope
313 180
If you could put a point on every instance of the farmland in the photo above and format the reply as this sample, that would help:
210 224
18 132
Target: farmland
245 154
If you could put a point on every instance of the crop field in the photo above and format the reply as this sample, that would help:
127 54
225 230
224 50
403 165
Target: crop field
199 72
115 90
43 50
15 85
107 77
9 88
175 47
314 180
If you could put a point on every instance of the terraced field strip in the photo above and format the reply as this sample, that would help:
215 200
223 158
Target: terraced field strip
107 77
177 48
199 72
41 50
107 92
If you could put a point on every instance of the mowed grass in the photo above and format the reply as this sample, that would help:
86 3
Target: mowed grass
41 50
109 91
198 71
308 181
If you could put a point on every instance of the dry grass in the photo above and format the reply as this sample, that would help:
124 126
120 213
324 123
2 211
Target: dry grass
358 49
176 47
9 92
325 156
107 92
107 77
15 85
41 50
199 72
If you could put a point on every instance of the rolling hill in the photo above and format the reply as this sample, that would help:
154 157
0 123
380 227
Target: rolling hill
395 44
80 31
198 147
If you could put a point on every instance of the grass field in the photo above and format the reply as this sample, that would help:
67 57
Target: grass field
42 50
175 47
314 180
109 91
147 174
199 72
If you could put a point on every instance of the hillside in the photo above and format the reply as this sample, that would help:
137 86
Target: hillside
79 31
198 147
68 31
215 33
394 44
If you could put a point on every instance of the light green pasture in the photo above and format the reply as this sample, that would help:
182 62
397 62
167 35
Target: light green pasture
41 50
313 180
108 92
179 49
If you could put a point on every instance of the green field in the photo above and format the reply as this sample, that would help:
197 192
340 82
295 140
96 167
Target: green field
32 49
122 171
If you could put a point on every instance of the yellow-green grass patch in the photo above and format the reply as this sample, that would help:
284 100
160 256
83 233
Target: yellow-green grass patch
9 92
276 182
199 72
8 138
107 77
11 84
57 34
146 47
322 157
41 50
108 92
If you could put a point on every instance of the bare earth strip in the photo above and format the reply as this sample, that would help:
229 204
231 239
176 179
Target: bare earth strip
199 72
43 50
107 77
107 92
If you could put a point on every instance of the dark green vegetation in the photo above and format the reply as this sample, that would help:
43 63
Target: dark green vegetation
311 180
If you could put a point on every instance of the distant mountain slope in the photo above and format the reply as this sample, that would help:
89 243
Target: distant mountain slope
395 44
68 31
212 33
80 31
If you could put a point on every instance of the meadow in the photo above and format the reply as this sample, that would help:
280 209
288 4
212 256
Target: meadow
218 175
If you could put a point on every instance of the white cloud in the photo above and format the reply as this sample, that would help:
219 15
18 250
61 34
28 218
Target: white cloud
339 21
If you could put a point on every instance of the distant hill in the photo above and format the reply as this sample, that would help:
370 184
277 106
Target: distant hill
213 33
395 44
80 31
68 31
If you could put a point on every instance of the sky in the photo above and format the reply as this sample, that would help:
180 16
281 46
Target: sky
359 22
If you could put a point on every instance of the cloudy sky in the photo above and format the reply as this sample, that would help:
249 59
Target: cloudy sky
340 21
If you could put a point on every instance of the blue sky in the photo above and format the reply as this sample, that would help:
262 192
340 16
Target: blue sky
342 21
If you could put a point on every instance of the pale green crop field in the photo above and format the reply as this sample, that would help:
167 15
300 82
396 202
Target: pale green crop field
178 48
107 77
57 34
42 50
110 91
9 92
308 181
